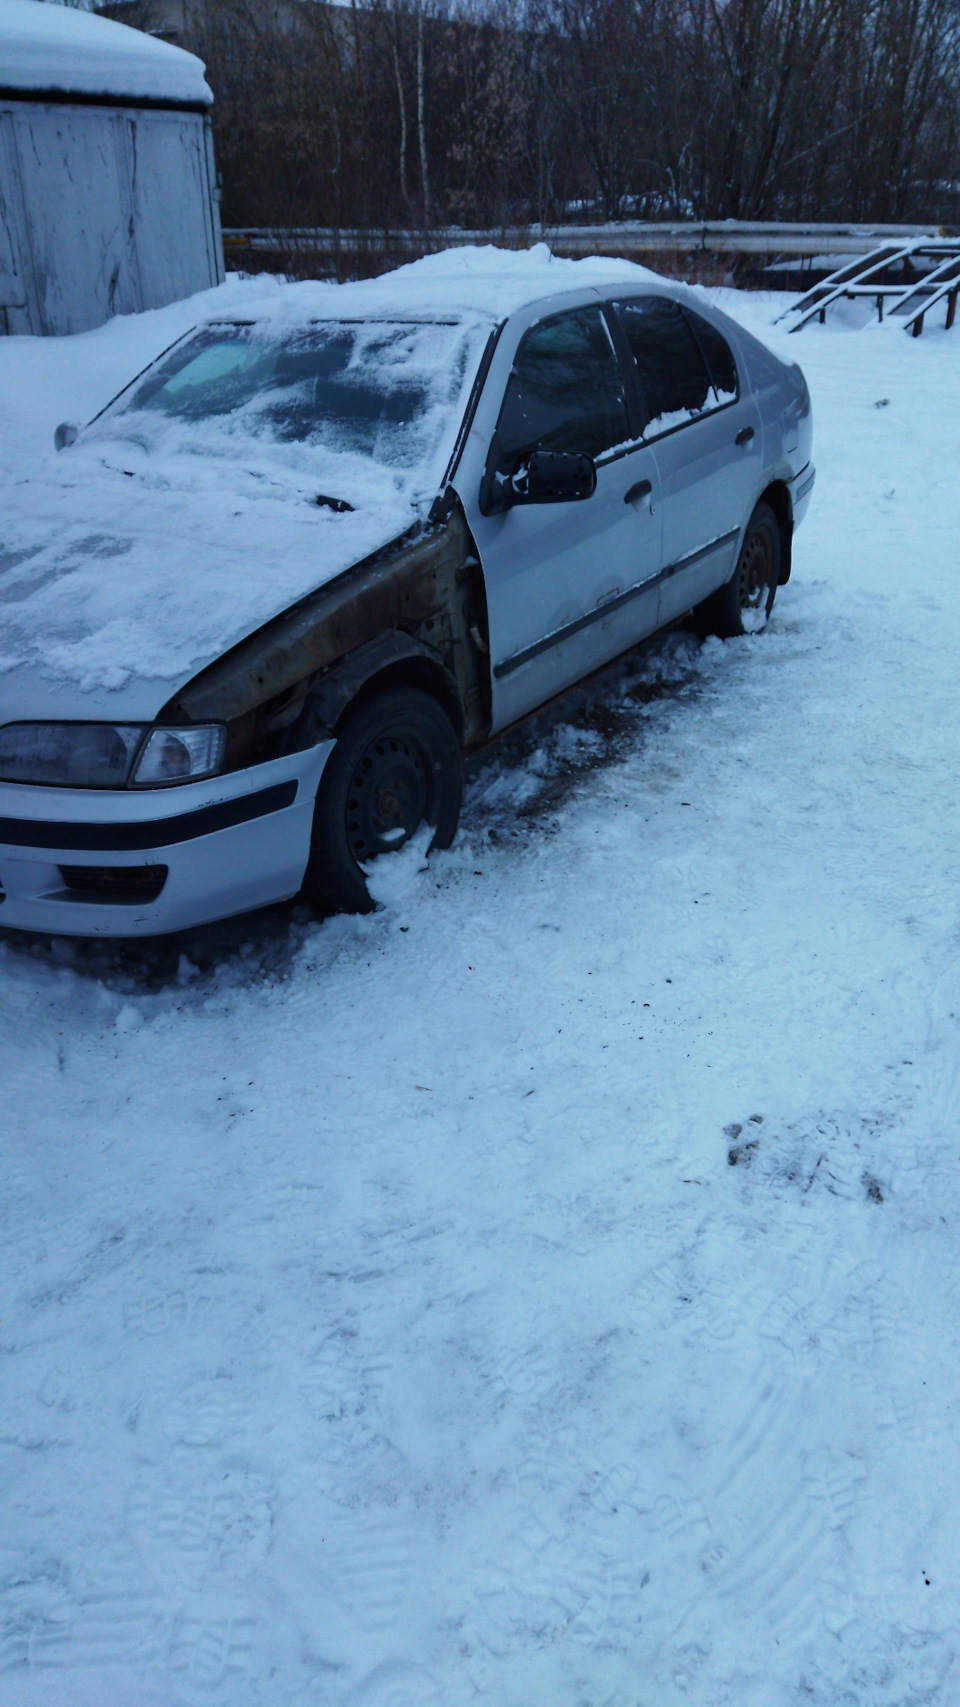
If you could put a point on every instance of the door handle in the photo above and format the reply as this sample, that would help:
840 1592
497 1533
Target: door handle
744 436
641 490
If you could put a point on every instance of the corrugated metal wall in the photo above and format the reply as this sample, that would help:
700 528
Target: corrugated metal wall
103 211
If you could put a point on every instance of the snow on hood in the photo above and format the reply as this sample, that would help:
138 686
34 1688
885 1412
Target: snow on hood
46 46
134 582
156 543
137 557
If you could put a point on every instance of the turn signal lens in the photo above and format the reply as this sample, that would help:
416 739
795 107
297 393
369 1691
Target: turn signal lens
179 755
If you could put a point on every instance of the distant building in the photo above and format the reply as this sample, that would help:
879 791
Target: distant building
179 21
168 20
108 199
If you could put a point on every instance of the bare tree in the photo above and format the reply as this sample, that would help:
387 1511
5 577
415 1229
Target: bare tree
595 109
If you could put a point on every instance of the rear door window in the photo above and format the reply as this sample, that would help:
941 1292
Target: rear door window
565 391
718 356
671 363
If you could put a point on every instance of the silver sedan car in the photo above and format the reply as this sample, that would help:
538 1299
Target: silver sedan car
255 613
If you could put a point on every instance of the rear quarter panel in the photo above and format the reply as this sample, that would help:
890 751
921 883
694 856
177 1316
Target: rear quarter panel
784 403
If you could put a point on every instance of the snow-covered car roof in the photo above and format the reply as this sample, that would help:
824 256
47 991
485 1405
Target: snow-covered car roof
483 280
47 48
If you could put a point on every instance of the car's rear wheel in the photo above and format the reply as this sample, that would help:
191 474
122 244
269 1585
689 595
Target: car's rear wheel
743 606
396 767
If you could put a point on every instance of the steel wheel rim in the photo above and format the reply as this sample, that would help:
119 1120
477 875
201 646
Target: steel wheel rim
754 591
389 796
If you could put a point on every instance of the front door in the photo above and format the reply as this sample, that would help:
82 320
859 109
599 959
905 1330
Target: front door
566 582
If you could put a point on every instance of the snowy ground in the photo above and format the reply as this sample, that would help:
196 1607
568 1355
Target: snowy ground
546 1291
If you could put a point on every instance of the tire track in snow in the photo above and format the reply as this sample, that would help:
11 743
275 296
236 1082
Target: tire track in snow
775 1544
778 1576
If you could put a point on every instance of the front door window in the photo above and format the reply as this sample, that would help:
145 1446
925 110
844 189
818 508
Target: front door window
565 392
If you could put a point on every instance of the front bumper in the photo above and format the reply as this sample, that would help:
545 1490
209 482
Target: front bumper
228 844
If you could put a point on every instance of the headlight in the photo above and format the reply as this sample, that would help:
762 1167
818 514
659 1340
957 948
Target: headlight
105 755
174 755
69 755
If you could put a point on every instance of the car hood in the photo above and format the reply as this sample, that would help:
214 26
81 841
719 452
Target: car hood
123 574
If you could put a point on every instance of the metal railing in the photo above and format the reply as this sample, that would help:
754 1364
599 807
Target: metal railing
908 278
629 238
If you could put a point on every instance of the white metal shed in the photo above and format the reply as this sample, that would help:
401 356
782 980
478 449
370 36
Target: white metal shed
108 200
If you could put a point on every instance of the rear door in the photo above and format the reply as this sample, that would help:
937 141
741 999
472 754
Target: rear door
706 432
569 585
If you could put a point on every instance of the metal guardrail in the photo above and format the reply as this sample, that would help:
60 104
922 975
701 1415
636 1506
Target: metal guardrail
631 237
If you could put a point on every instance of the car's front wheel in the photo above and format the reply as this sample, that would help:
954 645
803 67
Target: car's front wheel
396 766
743 606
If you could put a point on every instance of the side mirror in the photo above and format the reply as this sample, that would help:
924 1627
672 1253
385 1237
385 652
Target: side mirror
556 477
549 477
65 435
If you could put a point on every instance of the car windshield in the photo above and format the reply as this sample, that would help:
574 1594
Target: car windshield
376 388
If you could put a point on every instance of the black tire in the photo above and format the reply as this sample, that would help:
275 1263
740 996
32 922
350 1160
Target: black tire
743 606
396 765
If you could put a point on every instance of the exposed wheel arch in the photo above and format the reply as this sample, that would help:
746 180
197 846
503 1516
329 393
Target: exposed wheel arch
393 659
427 674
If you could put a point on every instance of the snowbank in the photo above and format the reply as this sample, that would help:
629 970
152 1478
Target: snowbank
47 47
